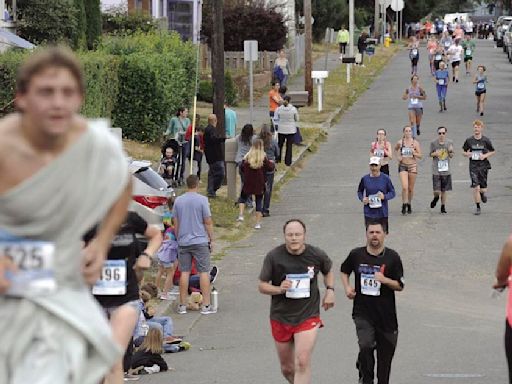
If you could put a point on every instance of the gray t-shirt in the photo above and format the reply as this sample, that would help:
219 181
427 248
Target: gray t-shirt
190 210
441 164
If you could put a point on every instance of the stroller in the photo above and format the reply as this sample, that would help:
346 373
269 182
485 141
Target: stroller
179 161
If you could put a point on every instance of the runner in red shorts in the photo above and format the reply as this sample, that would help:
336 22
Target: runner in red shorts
289 275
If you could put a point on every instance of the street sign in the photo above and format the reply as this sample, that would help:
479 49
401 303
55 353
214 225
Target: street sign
250 50
397 5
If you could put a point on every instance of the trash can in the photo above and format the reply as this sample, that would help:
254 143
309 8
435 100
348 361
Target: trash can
387 41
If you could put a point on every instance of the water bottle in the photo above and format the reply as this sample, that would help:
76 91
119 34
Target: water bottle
214 299
145 329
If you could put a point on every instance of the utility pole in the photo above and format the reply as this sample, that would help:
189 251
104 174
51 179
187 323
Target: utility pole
217 9
351 36
376 17
308 50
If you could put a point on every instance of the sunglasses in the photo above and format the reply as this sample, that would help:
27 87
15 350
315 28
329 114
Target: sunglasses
441 133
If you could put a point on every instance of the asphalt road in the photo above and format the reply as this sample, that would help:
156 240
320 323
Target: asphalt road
451 330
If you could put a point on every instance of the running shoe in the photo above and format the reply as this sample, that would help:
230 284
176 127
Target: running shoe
240 218
483 197
207 309
185 345
266 214
477 211
182 309
434 202
443 209
172 340
481 113
404 209
214 272
130 377
409 209
166 296
257 226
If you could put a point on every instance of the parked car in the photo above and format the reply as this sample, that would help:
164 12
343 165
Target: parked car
150 192
501 28
507 39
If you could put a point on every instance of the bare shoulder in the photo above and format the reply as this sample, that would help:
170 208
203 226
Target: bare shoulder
9 132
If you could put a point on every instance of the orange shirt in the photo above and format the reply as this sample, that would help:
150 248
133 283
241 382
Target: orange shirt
459 33
273 95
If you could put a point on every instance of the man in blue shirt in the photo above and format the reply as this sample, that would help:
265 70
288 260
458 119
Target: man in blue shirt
229 121
374 191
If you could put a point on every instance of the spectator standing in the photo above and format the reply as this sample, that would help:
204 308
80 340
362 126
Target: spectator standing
213 149
168 252
230 121
283 64
287 116
342 39
272 151
176 130
374 191
198 144
274 101
361 45
244 142
194 231
253 168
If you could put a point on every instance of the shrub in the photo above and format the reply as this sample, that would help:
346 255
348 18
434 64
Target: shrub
9 64
205 90
93 15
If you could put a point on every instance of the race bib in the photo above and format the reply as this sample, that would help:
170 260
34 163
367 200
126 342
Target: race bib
438 57
300 286
33 261
378 152
442 165
480 85
468 52
447 44
414 52
370 286
414 101
113 279
374 201
476 155
407 152
440 81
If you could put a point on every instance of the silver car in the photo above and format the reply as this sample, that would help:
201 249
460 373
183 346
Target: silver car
150 192
501 28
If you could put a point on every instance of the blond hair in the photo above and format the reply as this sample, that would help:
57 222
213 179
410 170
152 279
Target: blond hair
256 154
153 341
479 123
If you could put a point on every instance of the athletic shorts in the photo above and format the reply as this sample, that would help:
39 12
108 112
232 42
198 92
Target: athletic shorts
200 252
414 61
381 220
385 169
417 111
478 93
283 333
442 183
478 177
455 63
409 168
469 58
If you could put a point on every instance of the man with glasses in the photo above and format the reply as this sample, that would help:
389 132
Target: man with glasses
441 151
374 191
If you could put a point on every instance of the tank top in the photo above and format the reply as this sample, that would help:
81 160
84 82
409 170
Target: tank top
407 152
413 94
379 152
480 85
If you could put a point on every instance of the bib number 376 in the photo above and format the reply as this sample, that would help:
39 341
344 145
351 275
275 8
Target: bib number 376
33 267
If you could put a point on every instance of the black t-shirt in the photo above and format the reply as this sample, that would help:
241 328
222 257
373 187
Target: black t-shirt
124 247
373 302
305 267
483 146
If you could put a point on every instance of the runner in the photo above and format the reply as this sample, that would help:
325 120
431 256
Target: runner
431 49
504 280
374 191
118 289
289 275
442 80
446 41
441 151
480 82
469 47
439 57
60 175
414 54
382 148
378 274
408 151
455 55
414 96
478 149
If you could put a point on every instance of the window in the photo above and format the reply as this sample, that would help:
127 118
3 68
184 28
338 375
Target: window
181 17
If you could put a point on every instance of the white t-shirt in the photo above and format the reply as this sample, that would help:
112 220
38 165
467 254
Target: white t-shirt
455 53
469 26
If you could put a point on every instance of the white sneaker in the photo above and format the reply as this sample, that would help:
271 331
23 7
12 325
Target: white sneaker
165 296
257 226
207 309
182 309
240 218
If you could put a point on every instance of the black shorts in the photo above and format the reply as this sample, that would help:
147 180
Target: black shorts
442 183
380 220
385 169
478 177
436 64
469 58
414 61
478 93
455 64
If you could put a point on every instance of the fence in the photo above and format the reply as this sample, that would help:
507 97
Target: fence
234 61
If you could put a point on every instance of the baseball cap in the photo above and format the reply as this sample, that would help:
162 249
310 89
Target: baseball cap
374 160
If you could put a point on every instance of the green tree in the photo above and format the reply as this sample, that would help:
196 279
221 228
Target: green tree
79 40
48 21
93 14
327 14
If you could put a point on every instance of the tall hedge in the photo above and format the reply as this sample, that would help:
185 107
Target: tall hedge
93 15
80 35
9 64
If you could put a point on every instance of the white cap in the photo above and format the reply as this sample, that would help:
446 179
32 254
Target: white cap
374 160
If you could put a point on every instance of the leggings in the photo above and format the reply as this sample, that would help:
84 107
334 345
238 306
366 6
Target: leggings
441 92
508 349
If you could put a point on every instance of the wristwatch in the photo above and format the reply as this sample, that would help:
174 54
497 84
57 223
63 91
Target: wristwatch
329 287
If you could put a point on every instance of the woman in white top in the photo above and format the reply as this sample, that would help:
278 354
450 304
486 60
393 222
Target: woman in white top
455 54
282 62
287 116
